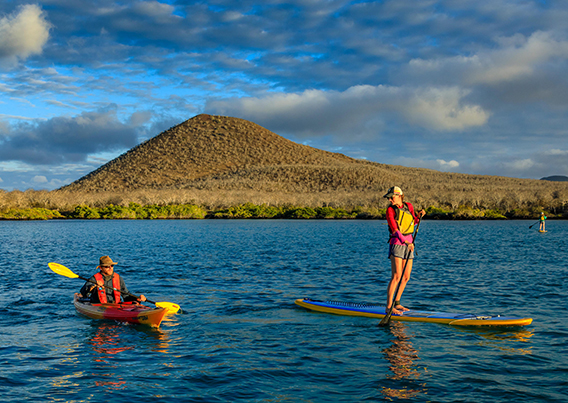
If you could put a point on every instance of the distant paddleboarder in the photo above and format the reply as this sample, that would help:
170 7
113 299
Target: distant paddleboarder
542 225
401 219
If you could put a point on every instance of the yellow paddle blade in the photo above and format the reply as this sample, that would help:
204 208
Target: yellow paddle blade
62 270
169 306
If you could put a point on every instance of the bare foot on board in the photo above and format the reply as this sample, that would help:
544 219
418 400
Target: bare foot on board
395 311
401 308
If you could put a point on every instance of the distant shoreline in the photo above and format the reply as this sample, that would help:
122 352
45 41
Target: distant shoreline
255 212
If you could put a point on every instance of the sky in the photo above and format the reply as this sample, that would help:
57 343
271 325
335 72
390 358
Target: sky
477 87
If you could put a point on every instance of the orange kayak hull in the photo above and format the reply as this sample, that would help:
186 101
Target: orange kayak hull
125 312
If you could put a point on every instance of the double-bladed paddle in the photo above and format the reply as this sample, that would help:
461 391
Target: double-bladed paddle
386 319
64 271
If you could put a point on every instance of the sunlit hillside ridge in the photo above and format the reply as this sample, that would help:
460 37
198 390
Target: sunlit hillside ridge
218 162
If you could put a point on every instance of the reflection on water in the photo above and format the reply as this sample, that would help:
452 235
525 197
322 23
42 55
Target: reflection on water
401 356
502 338
107 342
162 338
111 340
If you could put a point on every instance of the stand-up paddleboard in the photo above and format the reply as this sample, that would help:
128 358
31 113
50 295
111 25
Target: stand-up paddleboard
377 311
541 230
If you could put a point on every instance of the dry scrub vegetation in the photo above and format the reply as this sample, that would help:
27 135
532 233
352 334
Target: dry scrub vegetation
217 162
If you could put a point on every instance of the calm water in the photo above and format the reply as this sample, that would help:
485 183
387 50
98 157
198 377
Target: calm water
243 339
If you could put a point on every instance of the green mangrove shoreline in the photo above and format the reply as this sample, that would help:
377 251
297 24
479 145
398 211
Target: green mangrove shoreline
136 211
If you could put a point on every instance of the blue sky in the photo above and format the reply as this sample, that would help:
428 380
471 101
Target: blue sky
476 87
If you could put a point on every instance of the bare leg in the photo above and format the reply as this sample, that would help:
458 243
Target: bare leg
397 265
396 271
403 284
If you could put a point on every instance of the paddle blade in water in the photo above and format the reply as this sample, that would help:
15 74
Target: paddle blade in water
170 306
62 270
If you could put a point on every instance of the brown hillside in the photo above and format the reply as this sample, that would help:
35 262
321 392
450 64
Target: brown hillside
209 154
214 149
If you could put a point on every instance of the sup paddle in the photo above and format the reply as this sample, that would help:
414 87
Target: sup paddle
534 224
386 319
64 271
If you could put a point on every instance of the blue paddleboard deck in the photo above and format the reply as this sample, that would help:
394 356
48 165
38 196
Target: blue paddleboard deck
377 311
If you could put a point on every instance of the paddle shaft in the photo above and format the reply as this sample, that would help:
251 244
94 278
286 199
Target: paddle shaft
534 224
385 321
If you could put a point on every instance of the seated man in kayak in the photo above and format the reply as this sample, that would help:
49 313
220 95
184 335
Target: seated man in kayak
106 280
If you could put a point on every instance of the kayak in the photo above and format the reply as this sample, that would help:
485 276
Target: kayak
377 311
125 312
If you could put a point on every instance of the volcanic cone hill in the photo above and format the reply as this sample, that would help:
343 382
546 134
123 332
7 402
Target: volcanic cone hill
215 153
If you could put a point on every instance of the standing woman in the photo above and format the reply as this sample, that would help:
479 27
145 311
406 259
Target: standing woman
401 219
541 226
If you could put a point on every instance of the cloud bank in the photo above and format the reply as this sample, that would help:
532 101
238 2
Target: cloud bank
63 140
316 112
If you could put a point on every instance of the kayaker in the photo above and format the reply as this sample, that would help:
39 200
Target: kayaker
401 219
106 280
542 218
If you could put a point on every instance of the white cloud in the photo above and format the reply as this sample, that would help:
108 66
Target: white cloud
442 109
23 34
438 164
514 61
560 153
445 165
39 179
521 165
153 8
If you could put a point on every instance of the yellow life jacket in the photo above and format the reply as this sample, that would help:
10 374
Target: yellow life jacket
404 219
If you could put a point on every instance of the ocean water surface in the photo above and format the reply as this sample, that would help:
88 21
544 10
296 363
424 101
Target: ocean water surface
242 338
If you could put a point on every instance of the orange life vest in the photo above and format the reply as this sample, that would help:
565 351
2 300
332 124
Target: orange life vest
115 285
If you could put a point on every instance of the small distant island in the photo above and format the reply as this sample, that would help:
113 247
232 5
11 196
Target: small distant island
556 178
224 167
